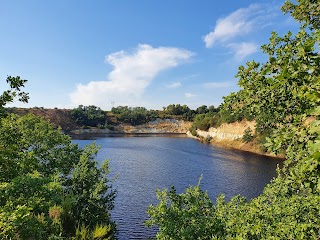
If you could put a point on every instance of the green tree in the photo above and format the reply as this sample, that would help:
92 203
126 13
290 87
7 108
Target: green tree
185 216
203 121
41 169
176 109
15 83
212 109
202 109
89 116
135 115
247 135
48 184
89 185
306 12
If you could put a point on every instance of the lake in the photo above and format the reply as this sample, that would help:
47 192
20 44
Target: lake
144 163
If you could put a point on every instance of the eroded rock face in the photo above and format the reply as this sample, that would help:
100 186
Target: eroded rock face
231 131
157 126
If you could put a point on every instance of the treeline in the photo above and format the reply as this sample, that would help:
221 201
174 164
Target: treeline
202 117
134 115
93 116
140 115
89 116
283 96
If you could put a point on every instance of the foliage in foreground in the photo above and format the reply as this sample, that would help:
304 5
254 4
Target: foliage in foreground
49 187
283 96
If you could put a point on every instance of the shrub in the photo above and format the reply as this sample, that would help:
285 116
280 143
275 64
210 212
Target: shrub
247 135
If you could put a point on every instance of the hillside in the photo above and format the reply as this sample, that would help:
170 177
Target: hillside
58 117
63 118
230 135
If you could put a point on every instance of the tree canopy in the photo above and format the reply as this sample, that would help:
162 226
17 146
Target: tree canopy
49 187
8 96
89 116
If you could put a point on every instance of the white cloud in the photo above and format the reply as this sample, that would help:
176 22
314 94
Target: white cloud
174 85
217 84
244 49
131 74
189 95
240 22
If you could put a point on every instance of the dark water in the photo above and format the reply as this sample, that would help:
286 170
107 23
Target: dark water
145 163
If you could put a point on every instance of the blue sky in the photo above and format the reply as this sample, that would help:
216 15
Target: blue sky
136 53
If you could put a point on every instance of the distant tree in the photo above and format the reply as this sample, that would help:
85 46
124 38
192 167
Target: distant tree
134 115
212 109
205 121
176 109
89 116
119 109
202 109
189 116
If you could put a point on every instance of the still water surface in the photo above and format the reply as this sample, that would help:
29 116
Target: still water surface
144 163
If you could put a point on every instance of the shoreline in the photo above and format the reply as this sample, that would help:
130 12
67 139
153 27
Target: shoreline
236 144
225 143
253 149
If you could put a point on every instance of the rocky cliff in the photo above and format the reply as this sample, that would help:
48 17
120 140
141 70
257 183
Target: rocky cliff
156 126
230 135
62 118
231 131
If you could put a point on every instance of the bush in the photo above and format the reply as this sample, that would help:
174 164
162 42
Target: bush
247 135
49 186
193 131
205 121
208 139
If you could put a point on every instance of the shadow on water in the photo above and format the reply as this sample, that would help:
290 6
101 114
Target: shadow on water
147 162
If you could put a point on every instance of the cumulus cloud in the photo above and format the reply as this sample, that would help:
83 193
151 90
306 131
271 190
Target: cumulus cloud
174 85
217 84
240 22
131 74
244 49
189 95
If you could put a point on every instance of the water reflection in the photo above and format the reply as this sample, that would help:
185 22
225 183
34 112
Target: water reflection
146 163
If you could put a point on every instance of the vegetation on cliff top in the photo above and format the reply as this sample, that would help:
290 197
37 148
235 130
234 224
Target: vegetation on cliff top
92 116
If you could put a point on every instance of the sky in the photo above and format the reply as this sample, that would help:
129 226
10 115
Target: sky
144 53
